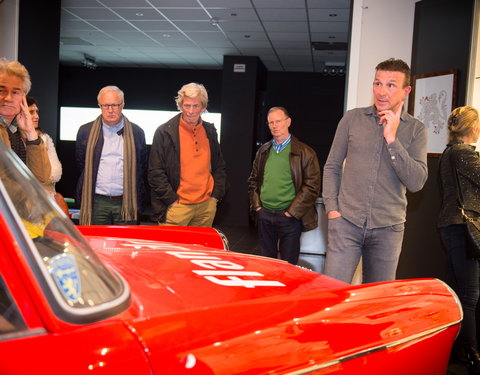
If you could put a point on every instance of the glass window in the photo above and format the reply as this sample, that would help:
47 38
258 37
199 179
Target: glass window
10 318
70 272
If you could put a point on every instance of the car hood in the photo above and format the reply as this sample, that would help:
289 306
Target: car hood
165 277
220 312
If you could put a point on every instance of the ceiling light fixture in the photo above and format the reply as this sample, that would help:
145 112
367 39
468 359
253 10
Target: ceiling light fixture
333 69
214 21
89 62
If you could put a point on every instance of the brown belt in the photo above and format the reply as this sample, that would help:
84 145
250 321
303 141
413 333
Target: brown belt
113 198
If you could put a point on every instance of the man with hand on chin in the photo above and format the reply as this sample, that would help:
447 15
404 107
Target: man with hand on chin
377 154
15 119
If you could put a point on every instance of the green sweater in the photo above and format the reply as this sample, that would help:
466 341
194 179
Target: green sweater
277 190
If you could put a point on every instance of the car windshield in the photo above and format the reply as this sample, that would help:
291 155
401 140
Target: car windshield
71 274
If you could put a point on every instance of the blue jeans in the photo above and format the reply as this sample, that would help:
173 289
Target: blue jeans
379 249
279 233
465 278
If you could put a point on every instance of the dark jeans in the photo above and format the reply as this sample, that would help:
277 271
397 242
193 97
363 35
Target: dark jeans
108 212
279 233
465 278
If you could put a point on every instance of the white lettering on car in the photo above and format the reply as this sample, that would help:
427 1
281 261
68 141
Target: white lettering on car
217 267
212 264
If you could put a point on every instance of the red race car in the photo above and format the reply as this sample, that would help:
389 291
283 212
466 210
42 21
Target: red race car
174 300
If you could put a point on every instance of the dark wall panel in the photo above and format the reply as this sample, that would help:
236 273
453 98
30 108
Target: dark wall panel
38 44
240 101
315 103
144 88
441 42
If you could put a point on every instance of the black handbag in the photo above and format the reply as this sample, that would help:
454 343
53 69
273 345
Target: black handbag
471 223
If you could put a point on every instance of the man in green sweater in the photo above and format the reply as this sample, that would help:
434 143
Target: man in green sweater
283 186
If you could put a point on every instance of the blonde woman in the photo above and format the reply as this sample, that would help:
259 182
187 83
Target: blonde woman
460 159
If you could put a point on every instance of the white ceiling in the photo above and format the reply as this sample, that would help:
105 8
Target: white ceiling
196 34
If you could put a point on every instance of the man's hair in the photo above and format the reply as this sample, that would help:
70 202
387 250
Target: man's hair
14 68
396 65
111 88
283 109
192 90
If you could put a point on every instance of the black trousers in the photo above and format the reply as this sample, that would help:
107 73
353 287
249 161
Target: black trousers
279 233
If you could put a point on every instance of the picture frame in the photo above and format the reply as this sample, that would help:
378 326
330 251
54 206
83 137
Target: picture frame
432 100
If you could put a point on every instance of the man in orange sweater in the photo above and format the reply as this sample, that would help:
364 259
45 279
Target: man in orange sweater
187 173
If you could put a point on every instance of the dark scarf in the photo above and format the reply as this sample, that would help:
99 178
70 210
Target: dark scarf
129 204
17 144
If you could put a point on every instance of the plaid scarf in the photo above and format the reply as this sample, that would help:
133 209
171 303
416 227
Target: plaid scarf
129 210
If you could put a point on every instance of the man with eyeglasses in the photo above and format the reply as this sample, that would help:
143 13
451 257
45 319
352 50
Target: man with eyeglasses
283 187
15 119
187 173
111 155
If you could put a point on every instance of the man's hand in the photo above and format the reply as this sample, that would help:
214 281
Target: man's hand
24 121
333 214
391 121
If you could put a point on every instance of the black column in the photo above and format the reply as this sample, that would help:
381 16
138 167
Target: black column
243 83
38 50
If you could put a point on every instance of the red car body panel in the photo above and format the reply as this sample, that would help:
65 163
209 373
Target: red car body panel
184 317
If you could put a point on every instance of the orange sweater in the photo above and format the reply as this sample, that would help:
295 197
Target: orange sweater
196 181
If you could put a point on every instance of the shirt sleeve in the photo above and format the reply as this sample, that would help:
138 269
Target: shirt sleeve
410 162
332 172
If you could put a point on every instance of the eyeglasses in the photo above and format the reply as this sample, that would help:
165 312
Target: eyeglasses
112 106
191 106
276 122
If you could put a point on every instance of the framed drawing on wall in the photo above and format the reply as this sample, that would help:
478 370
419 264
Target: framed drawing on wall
431 101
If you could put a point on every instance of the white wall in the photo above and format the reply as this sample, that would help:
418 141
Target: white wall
9 29
380 29
473 84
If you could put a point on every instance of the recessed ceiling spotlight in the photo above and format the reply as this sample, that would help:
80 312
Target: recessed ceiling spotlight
139 14
333 15
166 35
331 37
247 36
214 21
233 14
